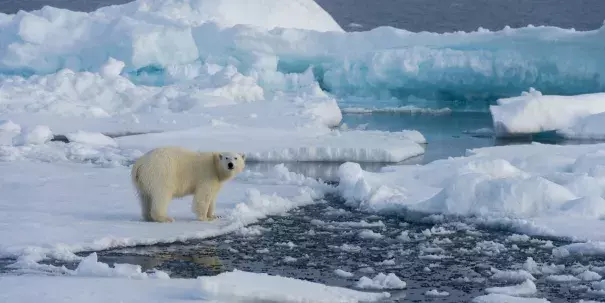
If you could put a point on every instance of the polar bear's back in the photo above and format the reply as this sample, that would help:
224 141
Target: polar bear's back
174 169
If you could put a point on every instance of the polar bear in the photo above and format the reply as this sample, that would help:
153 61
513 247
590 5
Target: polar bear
174 172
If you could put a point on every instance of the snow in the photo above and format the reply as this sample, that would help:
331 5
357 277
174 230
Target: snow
533 112
218 289
533 189
236 285
101 202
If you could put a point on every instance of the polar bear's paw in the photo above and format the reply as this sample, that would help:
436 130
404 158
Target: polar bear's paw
165 219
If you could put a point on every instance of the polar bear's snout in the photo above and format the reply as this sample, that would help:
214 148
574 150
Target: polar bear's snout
230 165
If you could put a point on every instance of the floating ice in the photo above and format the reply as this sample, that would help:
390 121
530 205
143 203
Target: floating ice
381 281
534 189
526 288
533 112
588 127
501 298
102 203
235 286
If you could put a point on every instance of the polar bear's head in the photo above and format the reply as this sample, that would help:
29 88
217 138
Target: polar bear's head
231 163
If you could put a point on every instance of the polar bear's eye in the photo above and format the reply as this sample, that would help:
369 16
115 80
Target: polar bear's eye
235 158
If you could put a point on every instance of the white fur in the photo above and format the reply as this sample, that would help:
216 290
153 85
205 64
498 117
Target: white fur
172 172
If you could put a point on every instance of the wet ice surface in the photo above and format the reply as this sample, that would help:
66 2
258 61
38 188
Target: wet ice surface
313 242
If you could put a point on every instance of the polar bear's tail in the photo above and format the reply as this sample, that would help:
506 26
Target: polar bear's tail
134 173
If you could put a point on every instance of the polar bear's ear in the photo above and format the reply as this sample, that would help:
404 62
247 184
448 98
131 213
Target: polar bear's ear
220 156
243 156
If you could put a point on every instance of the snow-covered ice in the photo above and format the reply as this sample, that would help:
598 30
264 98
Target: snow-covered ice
534 189
524 289
381 281
101 203
235 286
533 112
589 127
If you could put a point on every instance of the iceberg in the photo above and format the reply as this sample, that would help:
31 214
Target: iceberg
167 41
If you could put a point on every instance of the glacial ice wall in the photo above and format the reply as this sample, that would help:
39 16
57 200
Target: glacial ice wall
162 42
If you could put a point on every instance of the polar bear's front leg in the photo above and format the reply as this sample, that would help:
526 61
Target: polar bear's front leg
203 200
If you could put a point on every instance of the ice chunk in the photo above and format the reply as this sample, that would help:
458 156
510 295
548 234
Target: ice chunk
37 135
89 138
9 126
112 68
436 293
562 278
501 298
91 267
526 288
589 127
381 281
533 112
343 274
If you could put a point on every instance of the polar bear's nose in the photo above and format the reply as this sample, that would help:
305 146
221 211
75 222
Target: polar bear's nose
230 165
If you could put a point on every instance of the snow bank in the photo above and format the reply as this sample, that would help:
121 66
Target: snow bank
102 204
533 112
238 285
167 40
535 189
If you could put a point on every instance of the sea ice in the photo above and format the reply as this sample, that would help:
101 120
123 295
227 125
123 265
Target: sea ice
524 289
533 112
534 189
381 281
227 287
102 203
238 285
